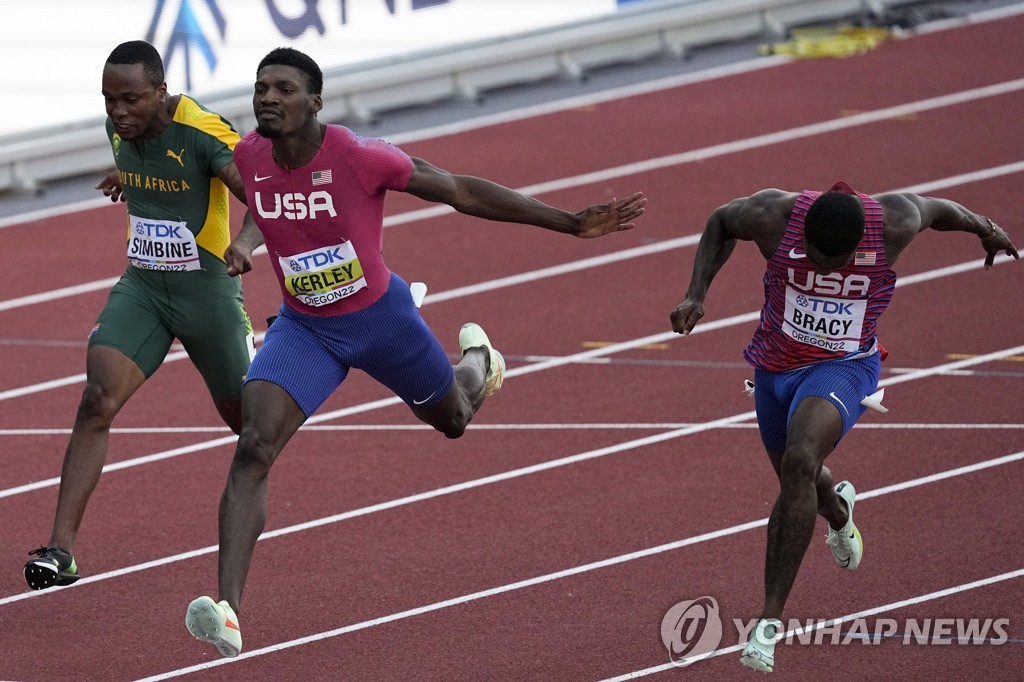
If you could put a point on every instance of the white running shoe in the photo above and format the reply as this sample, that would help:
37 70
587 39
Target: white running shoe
215 623
472 336
846 544
759 653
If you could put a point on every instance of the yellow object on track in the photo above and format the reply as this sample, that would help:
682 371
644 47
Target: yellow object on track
820 43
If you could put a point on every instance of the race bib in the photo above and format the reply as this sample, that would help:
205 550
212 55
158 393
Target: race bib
831 323
161 245
324 275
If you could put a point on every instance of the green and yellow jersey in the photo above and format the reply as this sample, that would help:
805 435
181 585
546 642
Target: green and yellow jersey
176 284
177 206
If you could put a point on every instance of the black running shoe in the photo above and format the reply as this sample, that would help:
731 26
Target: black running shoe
53 567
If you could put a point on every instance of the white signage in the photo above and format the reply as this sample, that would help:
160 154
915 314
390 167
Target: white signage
55 49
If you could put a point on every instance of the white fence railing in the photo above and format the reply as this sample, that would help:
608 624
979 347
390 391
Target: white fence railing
362 90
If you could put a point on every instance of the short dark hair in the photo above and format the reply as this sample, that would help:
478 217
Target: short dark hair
288 56
834 223
140 52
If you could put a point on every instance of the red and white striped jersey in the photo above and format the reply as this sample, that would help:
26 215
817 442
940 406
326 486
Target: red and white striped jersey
808 317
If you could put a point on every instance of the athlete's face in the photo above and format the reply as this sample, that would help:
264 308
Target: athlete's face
133 103
282 101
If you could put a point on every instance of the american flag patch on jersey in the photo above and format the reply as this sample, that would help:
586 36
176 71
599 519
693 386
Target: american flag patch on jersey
862 258
322 177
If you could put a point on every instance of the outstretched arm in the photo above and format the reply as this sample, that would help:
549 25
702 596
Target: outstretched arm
907 214
759 218
485 199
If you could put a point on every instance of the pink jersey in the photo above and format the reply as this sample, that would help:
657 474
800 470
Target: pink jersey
324 223
810 318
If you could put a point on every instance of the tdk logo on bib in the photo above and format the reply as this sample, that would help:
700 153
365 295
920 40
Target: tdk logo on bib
158 230
825 306
319 259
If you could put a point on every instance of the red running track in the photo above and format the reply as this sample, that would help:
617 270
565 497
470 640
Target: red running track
605 483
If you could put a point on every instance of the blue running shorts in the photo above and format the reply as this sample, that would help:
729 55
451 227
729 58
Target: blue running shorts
844 383
309 356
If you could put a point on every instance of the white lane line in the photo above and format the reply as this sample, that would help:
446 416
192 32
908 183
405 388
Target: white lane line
544 273
575 266
749 144
126 464
965 178
74 379
589 100
487 480
769 139
52 384
55 211
893 606
460 292
585 568
648 165
53 294
593 426
549 364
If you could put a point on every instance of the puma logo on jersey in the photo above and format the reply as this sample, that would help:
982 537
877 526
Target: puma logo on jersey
177 157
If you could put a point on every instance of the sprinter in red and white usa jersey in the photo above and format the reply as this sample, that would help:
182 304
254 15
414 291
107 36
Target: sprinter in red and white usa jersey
317 193
808 316
323 221
815 352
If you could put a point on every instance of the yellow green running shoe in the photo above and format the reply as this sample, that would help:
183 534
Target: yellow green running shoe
472 336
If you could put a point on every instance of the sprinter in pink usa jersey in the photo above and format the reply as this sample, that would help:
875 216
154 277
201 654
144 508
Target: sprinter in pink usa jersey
317 195
815 353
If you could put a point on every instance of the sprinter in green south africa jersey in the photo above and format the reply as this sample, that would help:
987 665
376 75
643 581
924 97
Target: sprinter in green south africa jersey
174 170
